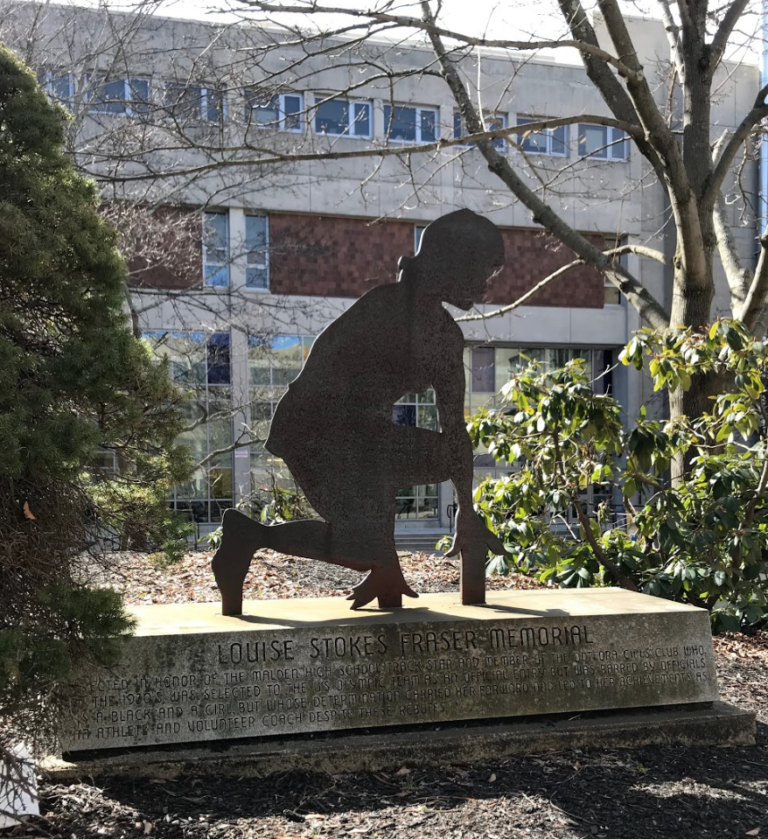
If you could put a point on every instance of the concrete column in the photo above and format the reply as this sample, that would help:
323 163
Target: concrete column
237 248
241 415
239 357
633 398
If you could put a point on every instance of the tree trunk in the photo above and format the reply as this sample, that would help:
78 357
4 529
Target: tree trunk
692 307
692 403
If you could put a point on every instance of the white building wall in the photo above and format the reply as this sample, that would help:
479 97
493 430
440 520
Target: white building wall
609 197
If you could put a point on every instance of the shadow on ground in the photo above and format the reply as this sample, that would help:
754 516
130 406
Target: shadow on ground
651 792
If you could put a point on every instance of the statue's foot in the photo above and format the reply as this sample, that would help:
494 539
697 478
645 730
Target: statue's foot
385 583
241 537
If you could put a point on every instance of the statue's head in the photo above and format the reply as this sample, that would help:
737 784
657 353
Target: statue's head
458 254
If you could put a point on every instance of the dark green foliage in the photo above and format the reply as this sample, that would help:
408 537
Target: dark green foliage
702 541
73 379
34 662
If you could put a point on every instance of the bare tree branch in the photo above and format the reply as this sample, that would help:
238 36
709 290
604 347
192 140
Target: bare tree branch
650 309
431 27
521 301
755 301
737 276
724 31
673 37
610 88
691 247
757 113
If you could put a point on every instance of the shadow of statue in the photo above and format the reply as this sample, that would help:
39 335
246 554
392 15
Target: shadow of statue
334 428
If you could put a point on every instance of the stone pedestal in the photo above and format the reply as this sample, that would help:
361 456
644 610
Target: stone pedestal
294 666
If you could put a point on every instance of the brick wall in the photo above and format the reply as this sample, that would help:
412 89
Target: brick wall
165 244
334 257
530 257
344 257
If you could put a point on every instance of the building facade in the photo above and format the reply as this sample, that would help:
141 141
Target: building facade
178 118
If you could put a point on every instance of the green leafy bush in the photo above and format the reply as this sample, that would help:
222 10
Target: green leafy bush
701 540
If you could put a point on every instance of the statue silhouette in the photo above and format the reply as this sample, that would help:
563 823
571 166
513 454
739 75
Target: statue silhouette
334 429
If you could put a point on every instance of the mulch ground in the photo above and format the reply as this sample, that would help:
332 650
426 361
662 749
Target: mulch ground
686 793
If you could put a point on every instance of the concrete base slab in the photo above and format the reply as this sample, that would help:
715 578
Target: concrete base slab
713 724
290 666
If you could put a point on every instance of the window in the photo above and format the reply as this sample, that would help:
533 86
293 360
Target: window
341 116
256 252
280 111
118 96
417 410
273 363
492 122
216 249
103 464
218 359
202 364
551 141
276 362
483 370
194 103
410 124
603 142
58 84
418 232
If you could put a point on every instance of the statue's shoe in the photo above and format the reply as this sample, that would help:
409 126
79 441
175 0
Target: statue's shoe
385 583
241 537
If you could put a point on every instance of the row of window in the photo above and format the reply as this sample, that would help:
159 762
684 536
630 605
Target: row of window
331 116
202 362
217 255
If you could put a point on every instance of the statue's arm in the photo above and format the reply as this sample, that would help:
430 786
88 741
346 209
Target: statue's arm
449 384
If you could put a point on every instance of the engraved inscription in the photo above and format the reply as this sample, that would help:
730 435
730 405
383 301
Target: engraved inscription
282 681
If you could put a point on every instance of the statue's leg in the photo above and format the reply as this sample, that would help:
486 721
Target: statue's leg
364 544
241 538
473 575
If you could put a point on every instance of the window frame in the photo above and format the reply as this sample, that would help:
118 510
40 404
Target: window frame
248 251
268 346
202 106
165 343
205 247
479 372
416 499
249 94
546 133
128 101
47 79
418 111
459 129
324 100
607 152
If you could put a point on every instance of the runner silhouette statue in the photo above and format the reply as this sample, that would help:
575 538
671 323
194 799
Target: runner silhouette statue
334 429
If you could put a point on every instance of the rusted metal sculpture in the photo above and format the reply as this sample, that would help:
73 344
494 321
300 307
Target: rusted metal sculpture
334 427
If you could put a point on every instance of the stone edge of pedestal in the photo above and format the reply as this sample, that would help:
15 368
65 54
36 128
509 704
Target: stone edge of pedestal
720 724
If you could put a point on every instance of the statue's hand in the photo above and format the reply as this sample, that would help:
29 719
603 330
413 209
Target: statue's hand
472 533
